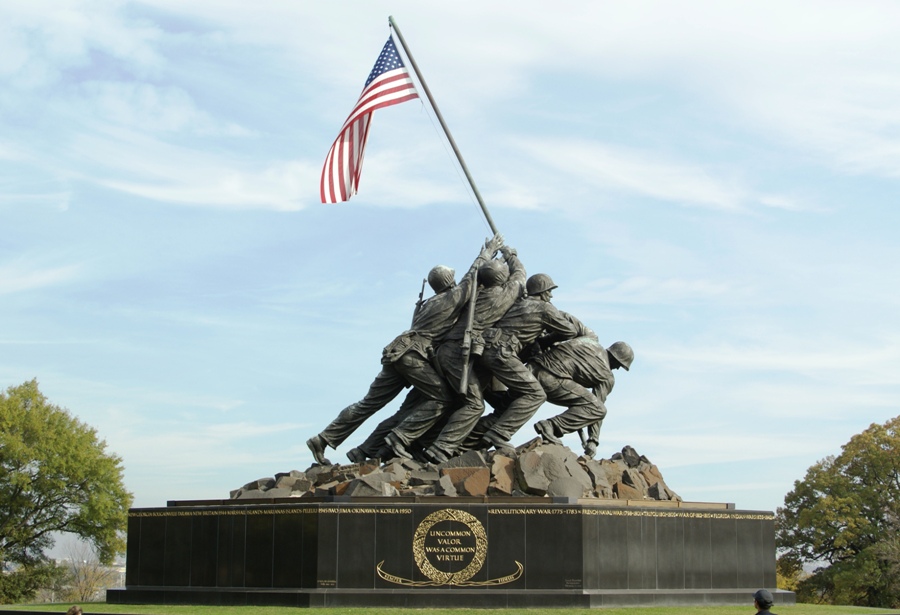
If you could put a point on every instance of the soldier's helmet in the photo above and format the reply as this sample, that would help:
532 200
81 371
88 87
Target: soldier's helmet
441 278
493 273
539 283
623 354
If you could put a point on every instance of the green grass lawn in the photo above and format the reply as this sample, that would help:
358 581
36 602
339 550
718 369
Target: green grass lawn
152 609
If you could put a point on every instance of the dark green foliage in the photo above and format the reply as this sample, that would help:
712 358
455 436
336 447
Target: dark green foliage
55 476
843 516
21 584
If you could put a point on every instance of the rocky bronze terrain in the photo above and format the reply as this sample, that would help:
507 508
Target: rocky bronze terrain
536 470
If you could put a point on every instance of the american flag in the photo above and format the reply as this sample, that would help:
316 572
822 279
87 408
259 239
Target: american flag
388 84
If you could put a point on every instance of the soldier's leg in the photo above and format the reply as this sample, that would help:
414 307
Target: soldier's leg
463 419
434 397
550 384
426 413
499 400
418 420
475 439
583 407
459 424
374 444
584 410
527 393
428 438
422 375
386 386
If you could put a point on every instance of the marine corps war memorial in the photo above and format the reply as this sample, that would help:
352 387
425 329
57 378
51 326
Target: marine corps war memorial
459 499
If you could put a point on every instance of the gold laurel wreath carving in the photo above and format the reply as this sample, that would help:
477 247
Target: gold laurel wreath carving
438 577
450 578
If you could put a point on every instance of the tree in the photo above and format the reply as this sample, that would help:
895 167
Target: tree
843 516
80 577
56 588
55 476
86 576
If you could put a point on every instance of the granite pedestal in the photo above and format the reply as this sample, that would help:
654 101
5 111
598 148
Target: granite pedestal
447 552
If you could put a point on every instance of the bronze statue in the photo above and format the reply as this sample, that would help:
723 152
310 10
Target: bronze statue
578 374
407 359
494 327
501 285
531 319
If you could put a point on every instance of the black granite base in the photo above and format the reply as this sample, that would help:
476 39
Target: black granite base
441 598
447 552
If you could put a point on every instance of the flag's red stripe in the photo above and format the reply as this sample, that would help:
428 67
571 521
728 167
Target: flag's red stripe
362 148
398 74
391 97
343 165
378 88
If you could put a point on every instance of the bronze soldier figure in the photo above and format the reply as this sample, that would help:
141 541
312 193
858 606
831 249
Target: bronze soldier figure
406 360
501 285
578 374
531 319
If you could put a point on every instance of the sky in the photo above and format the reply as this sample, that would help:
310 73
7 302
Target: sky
714 183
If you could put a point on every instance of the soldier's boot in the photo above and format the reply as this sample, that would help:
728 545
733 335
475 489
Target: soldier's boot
317 446
501 444
436 455
419 455
397 446
356 455
547 432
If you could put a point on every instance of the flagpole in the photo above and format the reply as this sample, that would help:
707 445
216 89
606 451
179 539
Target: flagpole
440 118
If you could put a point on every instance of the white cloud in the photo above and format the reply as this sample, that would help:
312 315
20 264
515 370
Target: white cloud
786 203
644 290
195 448
10 151
634 171
826 85
146 167
20 276
48 38
399 177
853 125
821 77
152 109
279 188
823 358
57 200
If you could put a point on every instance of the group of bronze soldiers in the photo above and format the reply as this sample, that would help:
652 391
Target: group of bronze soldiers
495 336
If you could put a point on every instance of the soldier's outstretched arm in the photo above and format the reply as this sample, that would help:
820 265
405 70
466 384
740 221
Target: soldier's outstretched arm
516 268
493 245
490 248
488 251
557 326
582 329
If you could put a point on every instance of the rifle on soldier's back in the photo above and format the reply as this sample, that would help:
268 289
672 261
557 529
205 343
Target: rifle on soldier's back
496 241
419 302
